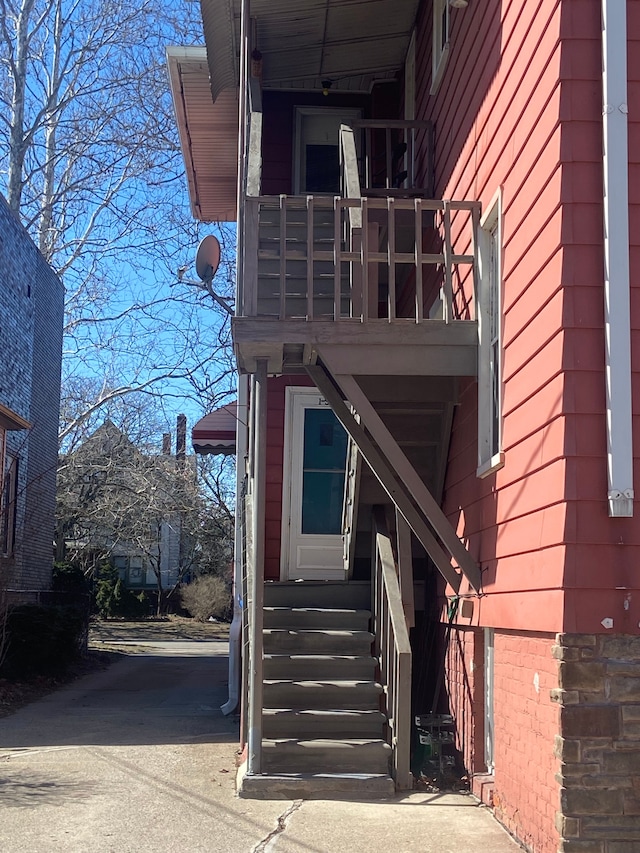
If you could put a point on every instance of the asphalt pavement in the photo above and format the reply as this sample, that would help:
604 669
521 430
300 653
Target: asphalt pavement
139 759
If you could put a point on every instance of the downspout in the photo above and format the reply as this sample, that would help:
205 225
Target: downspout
616 259
256 577
235 631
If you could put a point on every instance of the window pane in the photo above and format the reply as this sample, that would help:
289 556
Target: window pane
322 169
324 460
322 496
325 441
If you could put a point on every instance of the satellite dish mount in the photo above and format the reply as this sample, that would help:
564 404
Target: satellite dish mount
207 263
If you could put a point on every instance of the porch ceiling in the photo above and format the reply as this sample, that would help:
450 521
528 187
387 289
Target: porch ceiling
353 43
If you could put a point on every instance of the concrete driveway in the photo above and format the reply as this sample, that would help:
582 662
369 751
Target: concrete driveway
140 758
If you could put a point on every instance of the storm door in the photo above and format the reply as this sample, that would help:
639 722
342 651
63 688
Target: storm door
313 493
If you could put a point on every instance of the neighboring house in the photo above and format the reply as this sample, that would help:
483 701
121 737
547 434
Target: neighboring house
435 338
31 317
126 506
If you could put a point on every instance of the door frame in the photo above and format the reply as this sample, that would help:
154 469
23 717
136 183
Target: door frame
298 398
344 113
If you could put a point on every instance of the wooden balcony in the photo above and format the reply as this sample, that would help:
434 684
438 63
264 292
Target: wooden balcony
387 283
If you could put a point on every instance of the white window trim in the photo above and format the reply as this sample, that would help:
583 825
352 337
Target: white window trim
440 49
8 502
491 222
489 681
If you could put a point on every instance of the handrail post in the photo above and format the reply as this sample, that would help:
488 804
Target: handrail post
259 439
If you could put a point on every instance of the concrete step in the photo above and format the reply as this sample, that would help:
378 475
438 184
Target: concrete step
318 667
325 756
325 786
316 617
342 594
318 642
322 694
310 723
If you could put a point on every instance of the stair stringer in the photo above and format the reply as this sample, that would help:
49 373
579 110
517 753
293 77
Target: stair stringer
395 472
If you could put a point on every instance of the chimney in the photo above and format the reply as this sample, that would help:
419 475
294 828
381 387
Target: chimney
181 437
166 444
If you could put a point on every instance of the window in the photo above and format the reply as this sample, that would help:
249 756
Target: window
8 502
490 454
120 565
440 51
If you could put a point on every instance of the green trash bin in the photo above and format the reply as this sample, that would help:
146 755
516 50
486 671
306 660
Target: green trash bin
433 744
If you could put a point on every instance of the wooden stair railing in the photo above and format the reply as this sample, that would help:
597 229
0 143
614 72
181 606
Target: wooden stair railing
393 650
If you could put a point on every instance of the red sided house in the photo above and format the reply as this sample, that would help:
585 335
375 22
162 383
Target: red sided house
434 326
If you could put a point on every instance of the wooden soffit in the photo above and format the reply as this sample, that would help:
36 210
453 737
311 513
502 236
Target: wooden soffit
208 135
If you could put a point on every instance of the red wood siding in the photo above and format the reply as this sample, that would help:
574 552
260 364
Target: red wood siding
497 118
601 577
519 108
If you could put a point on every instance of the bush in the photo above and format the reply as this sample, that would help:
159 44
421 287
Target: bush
207 596
114 599
68 577
42 639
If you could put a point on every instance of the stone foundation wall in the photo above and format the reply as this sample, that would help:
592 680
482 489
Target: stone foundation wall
599 743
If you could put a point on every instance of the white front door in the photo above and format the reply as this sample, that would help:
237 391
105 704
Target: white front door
313 493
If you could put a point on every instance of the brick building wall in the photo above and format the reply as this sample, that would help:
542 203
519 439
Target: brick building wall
465 685
523 788
31 317
526 721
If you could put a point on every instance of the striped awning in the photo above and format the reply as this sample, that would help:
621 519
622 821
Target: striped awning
216 432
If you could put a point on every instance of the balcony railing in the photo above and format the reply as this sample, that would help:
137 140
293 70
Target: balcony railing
395 156
363 259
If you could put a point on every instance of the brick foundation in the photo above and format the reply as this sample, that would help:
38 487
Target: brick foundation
523 789
599 743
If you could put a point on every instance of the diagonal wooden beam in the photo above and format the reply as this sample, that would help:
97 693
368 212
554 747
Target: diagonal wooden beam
409 476
385 475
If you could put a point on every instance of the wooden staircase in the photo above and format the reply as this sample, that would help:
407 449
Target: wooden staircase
323 732
418 411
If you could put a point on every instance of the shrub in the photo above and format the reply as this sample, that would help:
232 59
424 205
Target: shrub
42 639
69 577
208 595
114 599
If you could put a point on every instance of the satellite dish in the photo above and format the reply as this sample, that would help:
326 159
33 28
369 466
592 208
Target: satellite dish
208 258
